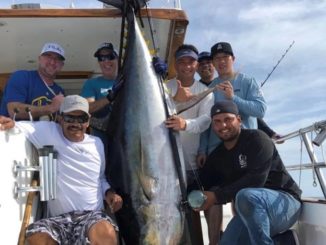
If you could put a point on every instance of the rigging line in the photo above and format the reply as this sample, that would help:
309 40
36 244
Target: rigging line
122 34
278 62
151 28
136 8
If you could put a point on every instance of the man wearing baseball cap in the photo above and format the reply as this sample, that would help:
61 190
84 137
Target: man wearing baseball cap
81 183
247 169
36 89
195 120
205 68
95 90
243 90
235 86
214 214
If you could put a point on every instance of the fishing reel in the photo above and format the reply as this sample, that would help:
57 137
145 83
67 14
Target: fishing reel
196 199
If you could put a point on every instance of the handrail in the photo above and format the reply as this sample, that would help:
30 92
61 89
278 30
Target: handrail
314 127
320 129
305 166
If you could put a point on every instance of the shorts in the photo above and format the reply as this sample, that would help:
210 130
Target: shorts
70 228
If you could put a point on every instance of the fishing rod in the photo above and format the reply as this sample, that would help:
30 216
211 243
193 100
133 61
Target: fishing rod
278 62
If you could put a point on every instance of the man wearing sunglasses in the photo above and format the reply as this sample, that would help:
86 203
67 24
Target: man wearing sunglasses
76 215
95 90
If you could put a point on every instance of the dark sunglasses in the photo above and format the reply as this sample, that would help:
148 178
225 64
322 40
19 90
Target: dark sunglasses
102 58
75 119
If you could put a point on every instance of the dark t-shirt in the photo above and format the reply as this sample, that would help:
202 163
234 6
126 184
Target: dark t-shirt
252 162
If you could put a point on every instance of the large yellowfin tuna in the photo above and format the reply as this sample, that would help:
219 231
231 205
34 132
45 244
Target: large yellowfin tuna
140 161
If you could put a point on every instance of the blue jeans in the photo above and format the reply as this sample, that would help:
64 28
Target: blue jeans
261 214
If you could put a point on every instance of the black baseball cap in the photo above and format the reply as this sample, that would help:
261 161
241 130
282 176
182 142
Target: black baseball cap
224 106
108 46
221 47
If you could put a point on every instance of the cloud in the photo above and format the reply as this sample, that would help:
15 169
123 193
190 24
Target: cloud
260 31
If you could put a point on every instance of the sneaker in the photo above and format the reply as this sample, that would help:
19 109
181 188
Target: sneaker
288 237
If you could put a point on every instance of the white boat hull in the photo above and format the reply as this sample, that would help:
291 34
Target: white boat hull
311 227
14 149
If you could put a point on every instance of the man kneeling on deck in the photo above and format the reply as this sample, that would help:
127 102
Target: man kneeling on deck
76 216
247 168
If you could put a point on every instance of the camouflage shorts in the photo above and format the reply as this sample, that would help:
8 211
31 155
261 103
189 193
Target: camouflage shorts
70 228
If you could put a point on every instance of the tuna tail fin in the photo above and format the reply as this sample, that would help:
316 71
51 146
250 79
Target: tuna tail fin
136 4
183 106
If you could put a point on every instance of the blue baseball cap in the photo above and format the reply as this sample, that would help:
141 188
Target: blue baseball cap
186 53
204 56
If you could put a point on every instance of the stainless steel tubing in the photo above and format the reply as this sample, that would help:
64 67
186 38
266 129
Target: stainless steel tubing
54 174
18 189
49 175
43 162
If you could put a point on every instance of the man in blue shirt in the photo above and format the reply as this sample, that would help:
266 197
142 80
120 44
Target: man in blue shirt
95 90
235 86
36 90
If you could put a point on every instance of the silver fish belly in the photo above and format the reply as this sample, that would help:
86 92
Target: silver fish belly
140 160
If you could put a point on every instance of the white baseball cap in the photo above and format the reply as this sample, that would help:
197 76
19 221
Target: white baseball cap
74 103
55 48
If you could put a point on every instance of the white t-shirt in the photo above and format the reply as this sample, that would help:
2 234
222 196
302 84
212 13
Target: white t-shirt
197 119
81 182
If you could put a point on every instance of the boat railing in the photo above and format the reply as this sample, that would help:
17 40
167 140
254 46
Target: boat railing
320 129
47 169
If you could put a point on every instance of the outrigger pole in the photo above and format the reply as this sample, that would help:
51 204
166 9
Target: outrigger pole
278 62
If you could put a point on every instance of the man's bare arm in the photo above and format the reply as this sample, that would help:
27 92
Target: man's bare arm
95 105
36 111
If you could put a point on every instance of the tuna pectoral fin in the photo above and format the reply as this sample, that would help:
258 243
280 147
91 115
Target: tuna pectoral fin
183 106
148 184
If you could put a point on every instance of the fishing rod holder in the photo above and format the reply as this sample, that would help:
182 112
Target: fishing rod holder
47 169
320 128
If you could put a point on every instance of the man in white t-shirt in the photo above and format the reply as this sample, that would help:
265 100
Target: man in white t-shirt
192 122
76 216
195 120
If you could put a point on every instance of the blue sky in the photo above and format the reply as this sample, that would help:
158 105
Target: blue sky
260 31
